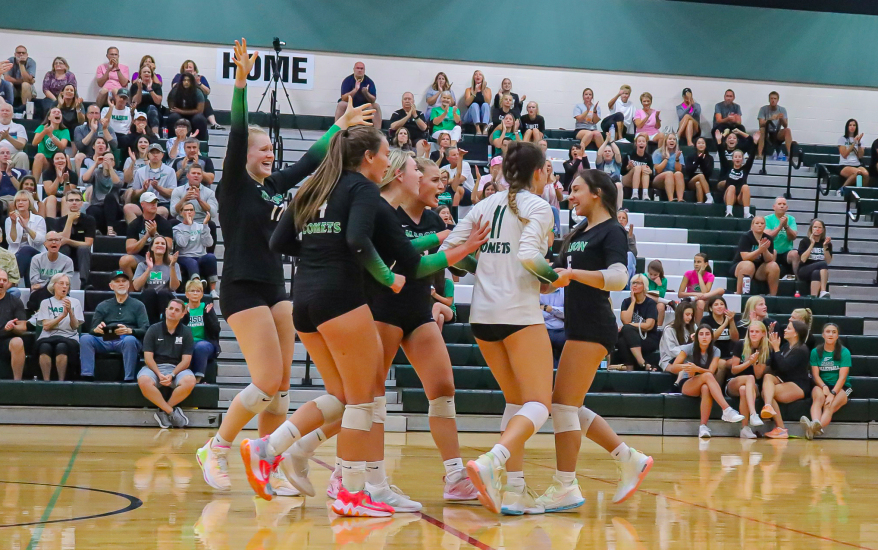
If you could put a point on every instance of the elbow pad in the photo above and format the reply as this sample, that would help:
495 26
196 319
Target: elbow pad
615 277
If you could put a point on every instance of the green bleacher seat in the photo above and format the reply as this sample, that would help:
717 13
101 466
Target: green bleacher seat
94 394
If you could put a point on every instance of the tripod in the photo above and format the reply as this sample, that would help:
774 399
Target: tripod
277 142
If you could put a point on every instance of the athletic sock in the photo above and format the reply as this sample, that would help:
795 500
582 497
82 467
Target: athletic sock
728 209
218 441
309 442
353 475
336 472
566 478
375 474
501 455
621 453
515 480
635 194
283 438
454 470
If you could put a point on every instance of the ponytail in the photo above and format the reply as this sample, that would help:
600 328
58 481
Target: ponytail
805 314
703 256
396 162
521 161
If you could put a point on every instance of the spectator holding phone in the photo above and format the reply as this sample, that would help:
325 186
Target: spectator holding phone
77 234
142 231
60 316
689 115
193 240
157 178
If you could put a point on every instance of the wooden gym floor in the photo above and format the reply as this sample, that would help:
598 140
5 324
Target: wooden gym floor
69 488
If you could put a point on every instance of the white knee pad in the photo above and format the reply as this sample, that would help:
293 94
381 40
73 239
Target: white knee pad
331 407
586 417
536 412
510 411
379 412
254 399
280 404
358 417
442 407
565 418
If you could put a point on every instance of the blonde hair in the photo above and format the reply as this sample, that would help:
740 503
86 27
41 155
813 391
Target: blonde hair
55 278
253 131
484 80
424 163
26 194
748 308
664 147
625 87
646 94
804 313
763 349
537 105
194 283
642 279
396 161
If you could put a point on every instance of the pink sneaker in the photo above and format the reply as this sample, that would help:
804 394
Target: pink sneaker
460 490
334 486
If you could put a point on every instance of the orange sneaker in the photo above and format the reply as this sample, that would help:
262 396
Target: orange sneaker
259 465
768 412
778 433
359 505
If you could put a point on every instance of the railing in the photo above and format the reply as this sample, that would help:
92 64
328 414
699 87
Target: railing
851 196
794 162
823 181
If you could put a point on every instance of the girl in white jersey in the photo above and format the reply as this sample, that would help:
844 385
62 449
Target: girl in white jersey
510 270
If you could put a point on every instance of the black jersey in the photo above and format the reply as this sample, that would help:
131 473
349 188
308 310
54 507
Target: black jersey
732 175
724 342
394 248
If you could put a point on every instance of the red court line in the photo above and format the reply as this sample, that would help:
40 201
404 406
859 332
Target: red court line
438 523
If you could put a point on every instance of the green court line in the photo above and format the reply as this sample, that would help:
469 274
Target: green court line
38 532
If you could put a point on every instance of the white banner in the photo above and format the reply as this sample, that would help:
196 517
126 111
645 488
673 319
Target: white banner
296 69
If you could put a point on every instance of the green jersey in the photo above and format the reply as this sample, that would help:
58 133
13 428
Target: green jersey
196 322
656 288
829 367
782 244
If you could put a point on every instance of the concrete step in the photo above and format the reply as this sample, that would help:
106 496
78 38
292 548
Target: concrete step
796 182
870 328
806 194
857 294
854 261
847 276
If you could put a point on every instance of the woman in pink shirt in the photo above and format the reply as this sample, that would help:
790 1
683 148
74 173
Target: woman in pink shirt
697 284
648 121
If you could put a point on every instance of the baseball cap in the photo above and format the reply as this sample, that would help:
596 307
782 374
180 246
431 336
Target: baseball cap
496 160
149 196
139 114
120 275
155 147
686 90
122 92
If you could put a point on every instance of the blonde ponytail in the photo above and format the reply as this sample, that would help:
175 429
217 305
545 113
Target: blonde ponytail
396 161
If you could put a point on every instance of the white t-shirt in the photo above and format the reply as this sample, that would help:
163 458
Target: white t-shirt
549 194
505 292
627 110
17 131
852 159
50 309
468 182
181 151
120 120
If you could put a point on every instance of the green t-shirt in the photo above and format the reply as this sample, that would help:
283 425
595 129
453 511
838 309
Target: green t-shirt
782 244
47 147
449 293
654 287
829 367
514 136
196 322
448 123
446 198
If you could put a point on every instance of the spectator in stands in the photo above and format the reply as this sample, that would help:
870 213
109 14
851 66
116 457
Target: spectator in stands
657 286
85 134
402 140
25 233
575 162
7 91
756 309
668 161
10 178
677 334
50 136
505 130
139 128
60 316
450 196
815 253
804 314
118 325
725 332
750 358
774 126
14 136
622 217
446 119
620 119
699 168
648 121
733 176
105 184
507 106
697 285
44 266
29 184
460 174
147 61
146 96
494 176
789 379
142 231
55 80
830 368
191 149
138 157
120 115
193 239
201 318
190 67
689 115
781 227
196 192
477 101
9 265
552 305
444 309
506 89
21 75
439 156
157 278
727 115
58 178
167 356
78 231
445 213
434 92
360 89
182 132
587 116
186 100
640 169
411 119
13 318
609 161
71 107
756 258
111 77
850 150
155 177
532 124
639 334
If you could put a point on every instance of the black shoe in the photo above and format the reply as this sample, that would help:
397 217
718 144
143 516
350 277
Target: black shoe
85 378
217 127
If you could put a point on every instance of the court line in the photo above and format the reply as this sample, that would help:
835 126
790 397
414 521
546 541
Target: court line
133 504
38 532
434 521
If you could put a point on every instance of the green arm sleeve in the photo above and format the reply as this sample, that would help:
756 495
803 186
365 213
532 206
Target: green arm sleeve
426 242
541 269
239 109
376 266
468 264
431 264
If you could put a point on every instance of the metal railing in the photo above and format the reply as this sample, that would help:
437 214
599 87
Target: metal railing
823 180
851 196
794 162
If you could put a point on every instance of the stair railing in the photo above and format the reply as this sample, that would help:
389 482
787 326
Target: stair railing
794 162
851 196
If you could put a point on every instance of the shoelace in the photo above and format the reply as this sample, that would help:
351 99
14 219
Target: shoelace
398 491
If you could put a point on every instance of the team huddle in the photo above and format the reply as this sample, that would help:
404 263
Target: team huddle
369 250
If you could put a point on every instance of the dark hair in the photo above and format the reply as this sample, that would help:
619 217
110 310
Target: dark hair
729 90
49 113
194 166
576 146
521 161
697 355
773 93
190 94
656 265
714 300
836 355
177 301
62 103
702 138
846 124
599 183
680 325
706 259
395 141
802 330
183 122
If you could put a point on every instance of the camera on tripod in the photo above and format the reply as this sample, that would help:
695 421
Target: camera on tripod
278 44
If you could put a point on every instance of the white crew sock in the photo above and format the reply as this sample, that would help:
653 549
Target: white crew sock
375 474
309 442
218 441
728 209
283 437
621 453
635 194
337 471
353 475
454 470
515 480
501 455
566 478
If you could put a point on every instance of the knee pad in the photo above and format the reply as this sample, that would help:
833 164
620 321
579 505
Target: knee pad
536 412
254 399
586 417
442 407
510 411
379 412
280 404
331 407
358 417
565 418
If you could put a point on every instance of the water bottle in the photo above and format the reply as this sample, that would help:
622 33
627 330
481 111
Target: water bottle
603 364
859 180
29 110
746 286
797 295
165 133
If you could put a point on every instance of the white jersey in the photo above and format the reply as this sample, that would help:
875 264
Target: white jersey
507 289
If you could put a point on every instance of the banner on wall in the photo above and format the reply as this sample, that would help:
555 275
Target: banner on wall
296 69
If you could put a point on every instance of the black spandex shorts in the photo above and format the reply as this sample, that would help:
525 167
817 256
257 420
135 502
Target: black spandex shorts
599 327
494 332
240 295
406 319
313 308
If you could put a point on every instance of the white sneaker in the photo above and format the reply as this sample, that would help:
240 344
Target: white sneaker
486 477
392 496
214 465
817 427
708 199
334 486
281 485
747 214
704 431
622 140
560 497
806 425
747 433
517 502
632 472
214 294
731 415
755 421
656 197
789 277
824 294
296 469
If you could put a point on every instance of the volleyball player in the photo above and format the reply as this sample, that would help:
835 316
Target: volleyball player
254 299
593 260
510 269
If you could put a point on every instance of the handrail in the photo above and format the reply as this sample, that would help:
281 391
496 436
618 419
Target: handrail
796 153
822 172
852 196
